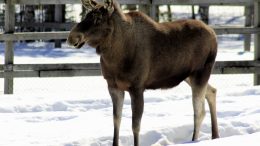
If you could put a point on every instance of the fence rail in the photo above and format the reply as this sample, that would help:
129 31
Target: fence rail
9 70
204 2
42 25
44 2
63 34
138 2
93 69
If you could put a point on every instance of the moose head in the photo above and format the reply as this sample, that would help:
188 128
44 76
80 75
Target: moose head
96 25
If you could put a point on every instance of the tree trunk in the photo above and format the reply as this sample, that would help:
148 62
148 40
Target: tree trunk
193 16
204 13
55 13
157 14
169 13
49 11
28 16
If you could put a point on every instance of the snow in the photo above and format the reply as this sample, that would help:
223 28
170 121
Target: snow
82 115
77 111
250 139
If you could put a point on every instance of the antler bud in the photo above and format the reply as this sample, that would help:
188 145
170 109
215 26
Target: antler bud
109 5
108 2
89 4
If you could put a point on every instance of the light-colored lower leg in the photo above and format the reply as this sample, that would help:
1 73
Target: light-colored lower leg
211 99
198 100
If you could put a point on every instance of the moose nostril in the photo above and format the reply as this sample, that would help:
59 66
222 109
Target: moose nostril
76 44
75 39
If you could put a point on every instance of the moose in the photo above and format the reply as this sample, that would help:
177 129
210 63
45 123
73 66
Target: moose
137 53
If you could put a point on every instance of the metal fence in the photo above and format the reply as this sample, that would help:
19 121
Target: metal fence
9 70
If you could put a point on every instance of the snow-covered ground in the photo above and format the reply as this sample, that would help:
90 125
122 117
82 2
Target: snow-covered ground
77 111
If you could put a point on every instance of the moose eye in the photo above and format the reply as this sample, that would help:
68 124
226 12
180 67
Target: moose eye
97 18
97 21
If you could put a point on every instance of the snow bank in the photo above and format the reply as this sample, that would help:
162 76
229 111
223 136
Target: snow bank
250 140
85 119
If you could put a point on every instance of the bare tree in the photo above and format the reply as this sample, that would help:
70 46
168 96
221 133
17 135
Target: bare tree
193 16
169 13
204 13
27 15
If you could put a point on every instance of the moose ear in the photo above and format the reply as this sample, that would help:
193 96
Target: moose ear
89 4
109 5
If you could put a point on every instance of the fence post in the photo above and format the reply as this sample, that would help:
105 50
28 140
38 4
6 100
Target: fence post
257 38
58 12
248 22
9 47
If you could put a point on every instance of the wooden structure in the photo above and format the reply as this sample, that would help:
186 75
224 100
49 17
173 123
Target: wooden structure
249 11
9 70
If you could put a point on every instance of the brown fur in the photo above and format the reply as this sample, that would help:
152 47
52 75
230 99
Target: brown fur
138 53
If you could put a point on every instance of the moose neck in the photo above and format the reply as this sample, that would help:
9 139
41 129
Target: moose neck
113 49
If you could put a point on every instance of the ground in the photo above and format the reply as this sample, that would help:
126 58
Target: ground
78 111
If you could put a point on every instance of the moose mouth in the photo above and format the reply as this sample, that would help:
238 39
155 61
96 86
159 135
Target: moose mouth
78 46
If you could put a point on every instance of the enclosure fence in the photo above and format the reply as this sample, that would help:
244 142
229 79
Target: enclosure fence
9 70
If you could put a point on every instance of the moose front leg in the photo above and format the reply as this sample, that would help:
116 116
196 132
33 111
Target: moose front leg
137 103
118 101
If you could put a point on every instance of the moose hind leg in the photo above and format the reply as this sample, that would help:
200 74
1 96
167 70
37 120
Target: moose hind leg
118 101
211 99
198 101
